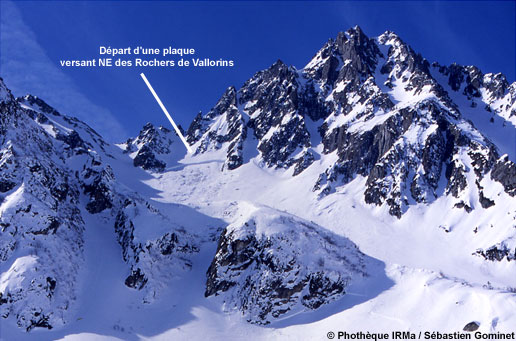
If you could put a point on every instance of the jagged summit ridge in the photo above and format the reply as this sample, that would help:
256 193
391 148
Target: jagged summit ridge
223 125
379 107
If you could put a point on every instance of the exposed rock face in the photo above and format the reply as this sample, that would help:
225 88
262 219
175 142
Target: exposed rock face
499 252
154 148
491 90
148 238
40 221
53 170
98 185
504 171
375 103
223 127
271 101
471 327
262 267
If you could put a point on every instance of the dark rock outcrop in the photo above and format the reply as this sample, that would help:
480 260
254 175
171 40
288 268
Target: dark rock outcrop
471 327
153 148
259 267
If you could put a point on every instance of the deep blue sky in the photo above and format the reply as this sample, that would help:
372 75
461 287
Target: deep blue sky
253 34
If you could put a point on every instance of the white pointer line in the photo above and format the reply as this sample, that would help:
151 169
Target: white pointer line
166 113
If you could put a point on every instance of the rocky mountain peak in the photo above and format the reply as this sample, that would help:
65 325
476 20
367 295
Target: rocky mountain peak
228 99
402 55
352 56
154 148
150 133
377 105
355 36
388 36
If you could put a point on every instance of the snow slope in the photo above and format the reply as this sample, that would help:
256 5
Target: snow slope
364 192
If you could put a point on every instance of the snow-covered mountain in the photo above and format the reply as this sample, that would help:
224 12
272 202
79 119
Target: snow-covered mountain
55 174
377 108
369 190
154 148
